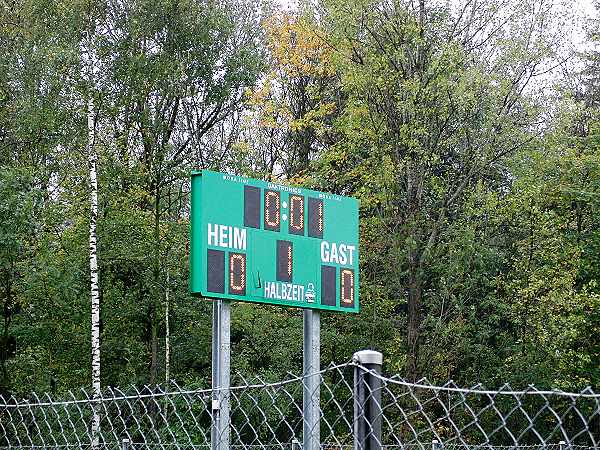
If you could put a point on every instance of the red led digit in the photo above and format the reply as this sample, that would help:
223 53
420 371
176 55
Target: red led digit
272 214
316 217
284 261
347 288
237 273
296 214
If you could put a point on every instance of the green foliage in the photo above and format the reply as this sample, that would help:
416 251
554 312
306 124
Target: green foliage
553 281
17 230
480 213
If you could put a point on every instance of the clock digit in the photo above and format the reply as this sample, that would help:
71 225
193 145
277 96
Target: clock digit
272 214
296 214
316 217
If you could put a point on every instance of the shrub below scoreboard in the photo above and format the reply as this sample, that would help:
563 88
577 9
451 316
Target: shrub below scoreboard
263 242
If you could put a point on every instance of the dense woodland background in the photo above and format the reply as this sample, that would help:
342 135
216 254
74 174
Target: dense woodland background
468 130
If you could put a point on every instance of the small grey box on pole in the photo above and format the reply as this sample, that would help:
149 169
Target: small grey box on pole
367 400
221 357
296 444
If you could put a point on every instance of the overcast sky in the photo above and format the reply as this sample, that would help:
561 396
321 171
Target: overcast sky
582 9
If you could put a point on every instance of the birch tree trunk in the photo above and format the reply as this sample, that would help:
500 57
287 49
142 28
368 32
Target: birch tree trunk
167 334
94 287
95 294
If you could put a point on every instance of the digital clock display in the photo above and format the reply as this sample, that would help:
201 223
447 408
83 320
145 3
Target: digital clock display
263 242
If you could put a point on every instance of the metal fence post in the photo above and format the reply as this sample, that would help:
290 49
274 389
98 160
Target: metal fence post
367 400
562 445
296 444
436 445
125 445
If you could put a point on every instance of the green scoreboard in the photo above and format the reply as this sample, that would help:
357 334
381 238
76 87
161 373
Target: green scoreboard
264 242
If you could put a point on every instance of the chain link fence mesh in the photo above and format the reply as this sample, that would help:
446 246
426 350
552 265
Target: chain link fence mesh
413 416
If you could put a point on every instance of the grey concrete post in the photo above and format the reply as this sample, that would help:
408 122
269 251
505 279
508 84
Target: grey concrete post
367 400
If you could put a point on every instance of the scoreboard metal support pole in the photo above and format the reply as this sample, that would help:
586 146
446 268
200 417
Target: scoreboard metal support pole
221 357
263 242
312 380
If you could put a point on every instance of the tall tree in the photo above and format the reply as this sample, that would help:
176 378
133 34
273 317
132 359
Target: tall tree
176 82
433 118
284 130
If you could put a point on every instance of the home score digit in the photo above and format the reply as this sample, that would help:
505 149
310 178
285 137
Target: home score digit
263 242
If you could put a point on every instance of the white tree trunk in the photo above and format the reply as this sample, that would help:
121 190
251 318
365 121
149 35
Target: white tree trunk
167 334
92 155
95 294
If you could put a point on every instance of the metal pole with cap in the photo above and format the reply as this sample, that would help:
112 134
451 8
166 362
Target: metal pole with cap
367 400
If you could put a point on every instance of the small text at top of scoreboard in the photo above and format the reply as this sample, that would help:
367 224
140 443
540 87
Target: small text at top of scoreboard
264 242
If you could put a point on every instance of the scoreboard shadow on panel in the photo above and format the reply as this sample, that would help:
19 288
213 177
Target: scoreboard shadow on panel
257 241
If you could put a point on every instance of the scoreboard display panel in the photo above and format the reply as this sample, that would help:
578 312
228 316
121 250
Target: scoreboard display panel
264 242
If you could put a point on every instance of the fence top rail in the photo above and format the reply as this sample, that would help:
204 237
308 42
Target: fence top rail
145 392
505 389
148 391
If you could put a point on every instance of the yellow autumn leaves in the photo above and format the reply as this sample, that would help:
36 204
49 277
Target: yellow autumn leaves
300 65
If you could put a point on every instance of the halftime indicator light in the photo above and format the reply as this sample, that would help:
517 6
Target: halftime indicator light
289 252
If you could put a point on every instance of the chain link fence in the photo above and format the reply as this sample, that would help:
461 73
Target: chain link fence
395 413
